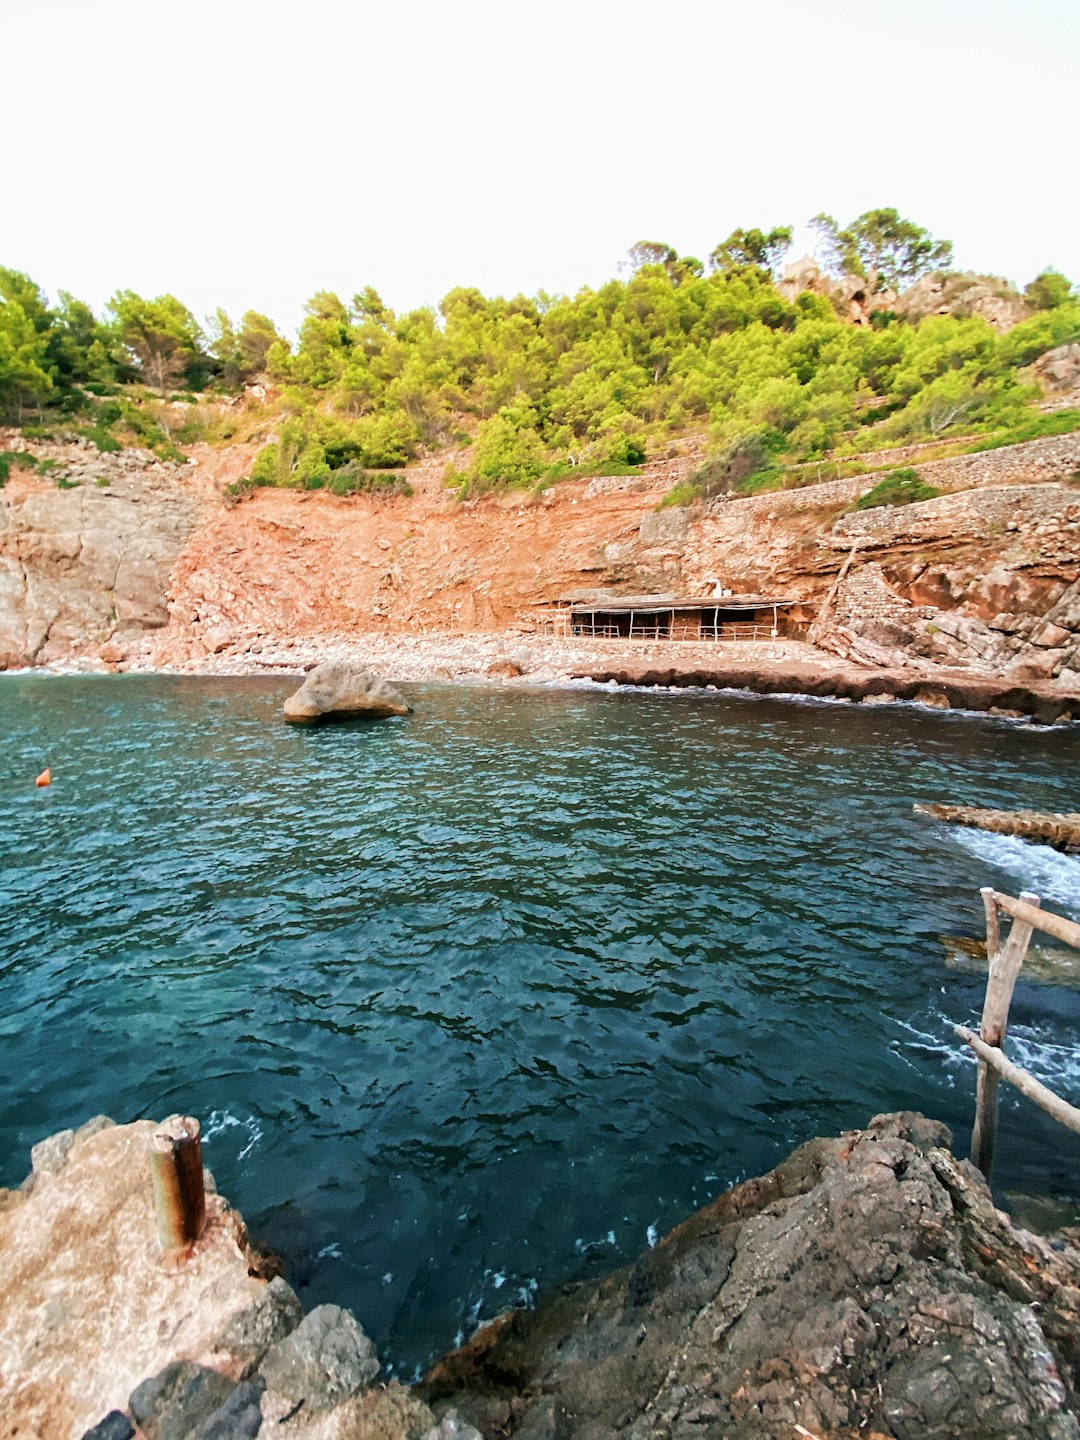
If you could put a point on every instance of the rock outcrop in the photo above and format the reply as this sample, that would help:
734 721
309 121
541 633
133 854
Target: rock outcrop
871 682
86 555
142 563
337 690
963 293
867 1286
95 1333
1061 832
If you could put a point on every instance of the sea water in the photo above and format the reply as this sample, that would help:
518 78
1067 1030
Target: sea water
483 1000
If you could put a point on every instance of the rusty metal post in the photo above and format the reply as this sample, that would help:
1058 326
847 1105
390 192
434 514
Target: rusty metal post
179 1194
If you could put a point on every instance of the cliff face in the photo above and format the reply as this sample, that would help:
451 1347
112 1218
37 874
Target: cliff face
154 563
82 565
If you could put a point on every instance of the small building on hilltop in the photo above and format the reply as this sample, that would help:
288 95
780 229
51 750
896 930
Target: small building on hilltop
670 617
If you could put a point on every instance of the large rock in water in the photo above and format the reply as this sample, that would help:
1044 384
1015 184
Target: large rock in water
867 1286
337 690
1060 831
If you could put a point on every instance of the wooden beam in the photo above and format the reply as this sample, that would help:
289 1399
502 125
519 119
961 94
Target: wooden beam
1055 925
1064 1113
1000 983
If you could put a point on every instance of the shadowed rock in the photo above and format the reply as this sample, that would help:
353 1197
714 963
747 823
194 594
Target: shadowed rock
866 1286
326 1359
337 690
1062 832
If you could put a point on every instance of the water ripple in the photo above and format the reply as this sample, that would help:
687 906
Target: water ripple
480 1001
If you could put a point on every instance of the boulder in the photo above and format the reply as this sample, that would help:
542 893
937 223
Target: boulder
325 1360
337 690
177 1400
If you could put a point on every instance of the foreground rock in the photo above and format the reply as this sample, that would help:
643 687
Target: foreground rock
337 690
1062 832
867 1286
97 1337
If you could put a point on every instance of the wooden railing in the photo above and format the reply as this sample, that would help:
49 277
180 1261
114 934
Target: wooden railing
560 626
1005 961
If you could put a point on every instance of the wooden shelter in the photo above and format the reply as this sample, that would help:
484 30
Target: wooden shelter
666 617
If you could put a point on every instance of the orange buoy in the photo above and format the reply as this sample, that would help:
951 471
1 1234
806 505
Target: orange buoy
45 778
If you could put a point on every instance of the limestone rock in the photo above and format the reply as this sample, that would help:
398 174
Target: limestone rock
86 1310
52 1152
1058 370
963 293
85 566
452 1427
325 1360
115 1426
337 690
1061 832
274 1313
238 1418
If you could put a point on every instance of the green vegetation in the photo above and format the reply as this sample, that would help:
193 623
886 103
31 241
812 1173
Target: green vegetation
20 460
533 390
902 487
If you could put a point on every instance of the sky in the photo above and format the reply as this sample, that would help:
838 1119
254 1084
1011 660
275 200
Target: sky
247 155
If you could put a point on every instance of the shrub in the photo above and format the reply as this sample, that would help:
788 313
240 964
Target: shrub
902 487
106 443
731 467
21 460
684 493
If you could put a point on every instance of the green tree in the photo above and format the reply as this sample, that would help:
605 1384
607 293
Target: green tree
24 378
886 250
763 249
507 450
163 338
242 353
1049 290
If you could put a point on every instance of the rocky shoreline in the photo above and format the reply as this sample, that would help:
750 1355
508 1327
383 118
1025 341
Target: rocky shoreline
777 668
866 1286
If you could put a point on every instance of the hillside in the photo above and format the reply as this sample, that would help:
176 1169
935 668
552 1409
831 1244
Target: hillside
143 562
892 444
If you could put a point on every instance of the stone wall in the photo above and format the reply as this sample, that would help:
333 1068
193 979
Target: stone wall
968 514
1055 458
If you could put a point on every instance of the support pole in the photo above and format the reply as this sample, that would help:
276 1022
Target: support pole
1004 967
993 929
179 1194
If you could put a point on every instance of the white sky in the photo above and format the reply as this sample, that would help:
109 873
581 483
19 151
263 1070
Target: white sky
248 154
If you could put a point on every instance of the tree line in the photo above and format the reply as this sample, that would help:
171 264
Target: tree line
534 387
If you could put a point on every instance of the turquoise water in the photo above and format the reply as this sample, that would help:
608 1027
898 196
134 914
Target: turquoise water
479 1001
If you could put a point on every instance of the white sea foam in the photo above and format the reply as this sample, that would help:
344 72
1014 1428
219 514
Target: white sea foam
220 1121
582 1247
1049 873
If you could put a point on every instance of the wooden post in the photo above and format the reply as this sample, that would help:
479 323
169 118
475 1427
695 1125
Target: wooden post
179 1195
993 930
1005 965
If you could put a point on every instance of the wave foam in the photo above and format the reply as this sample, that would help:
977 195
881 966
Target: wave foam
1049 873
218 1121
